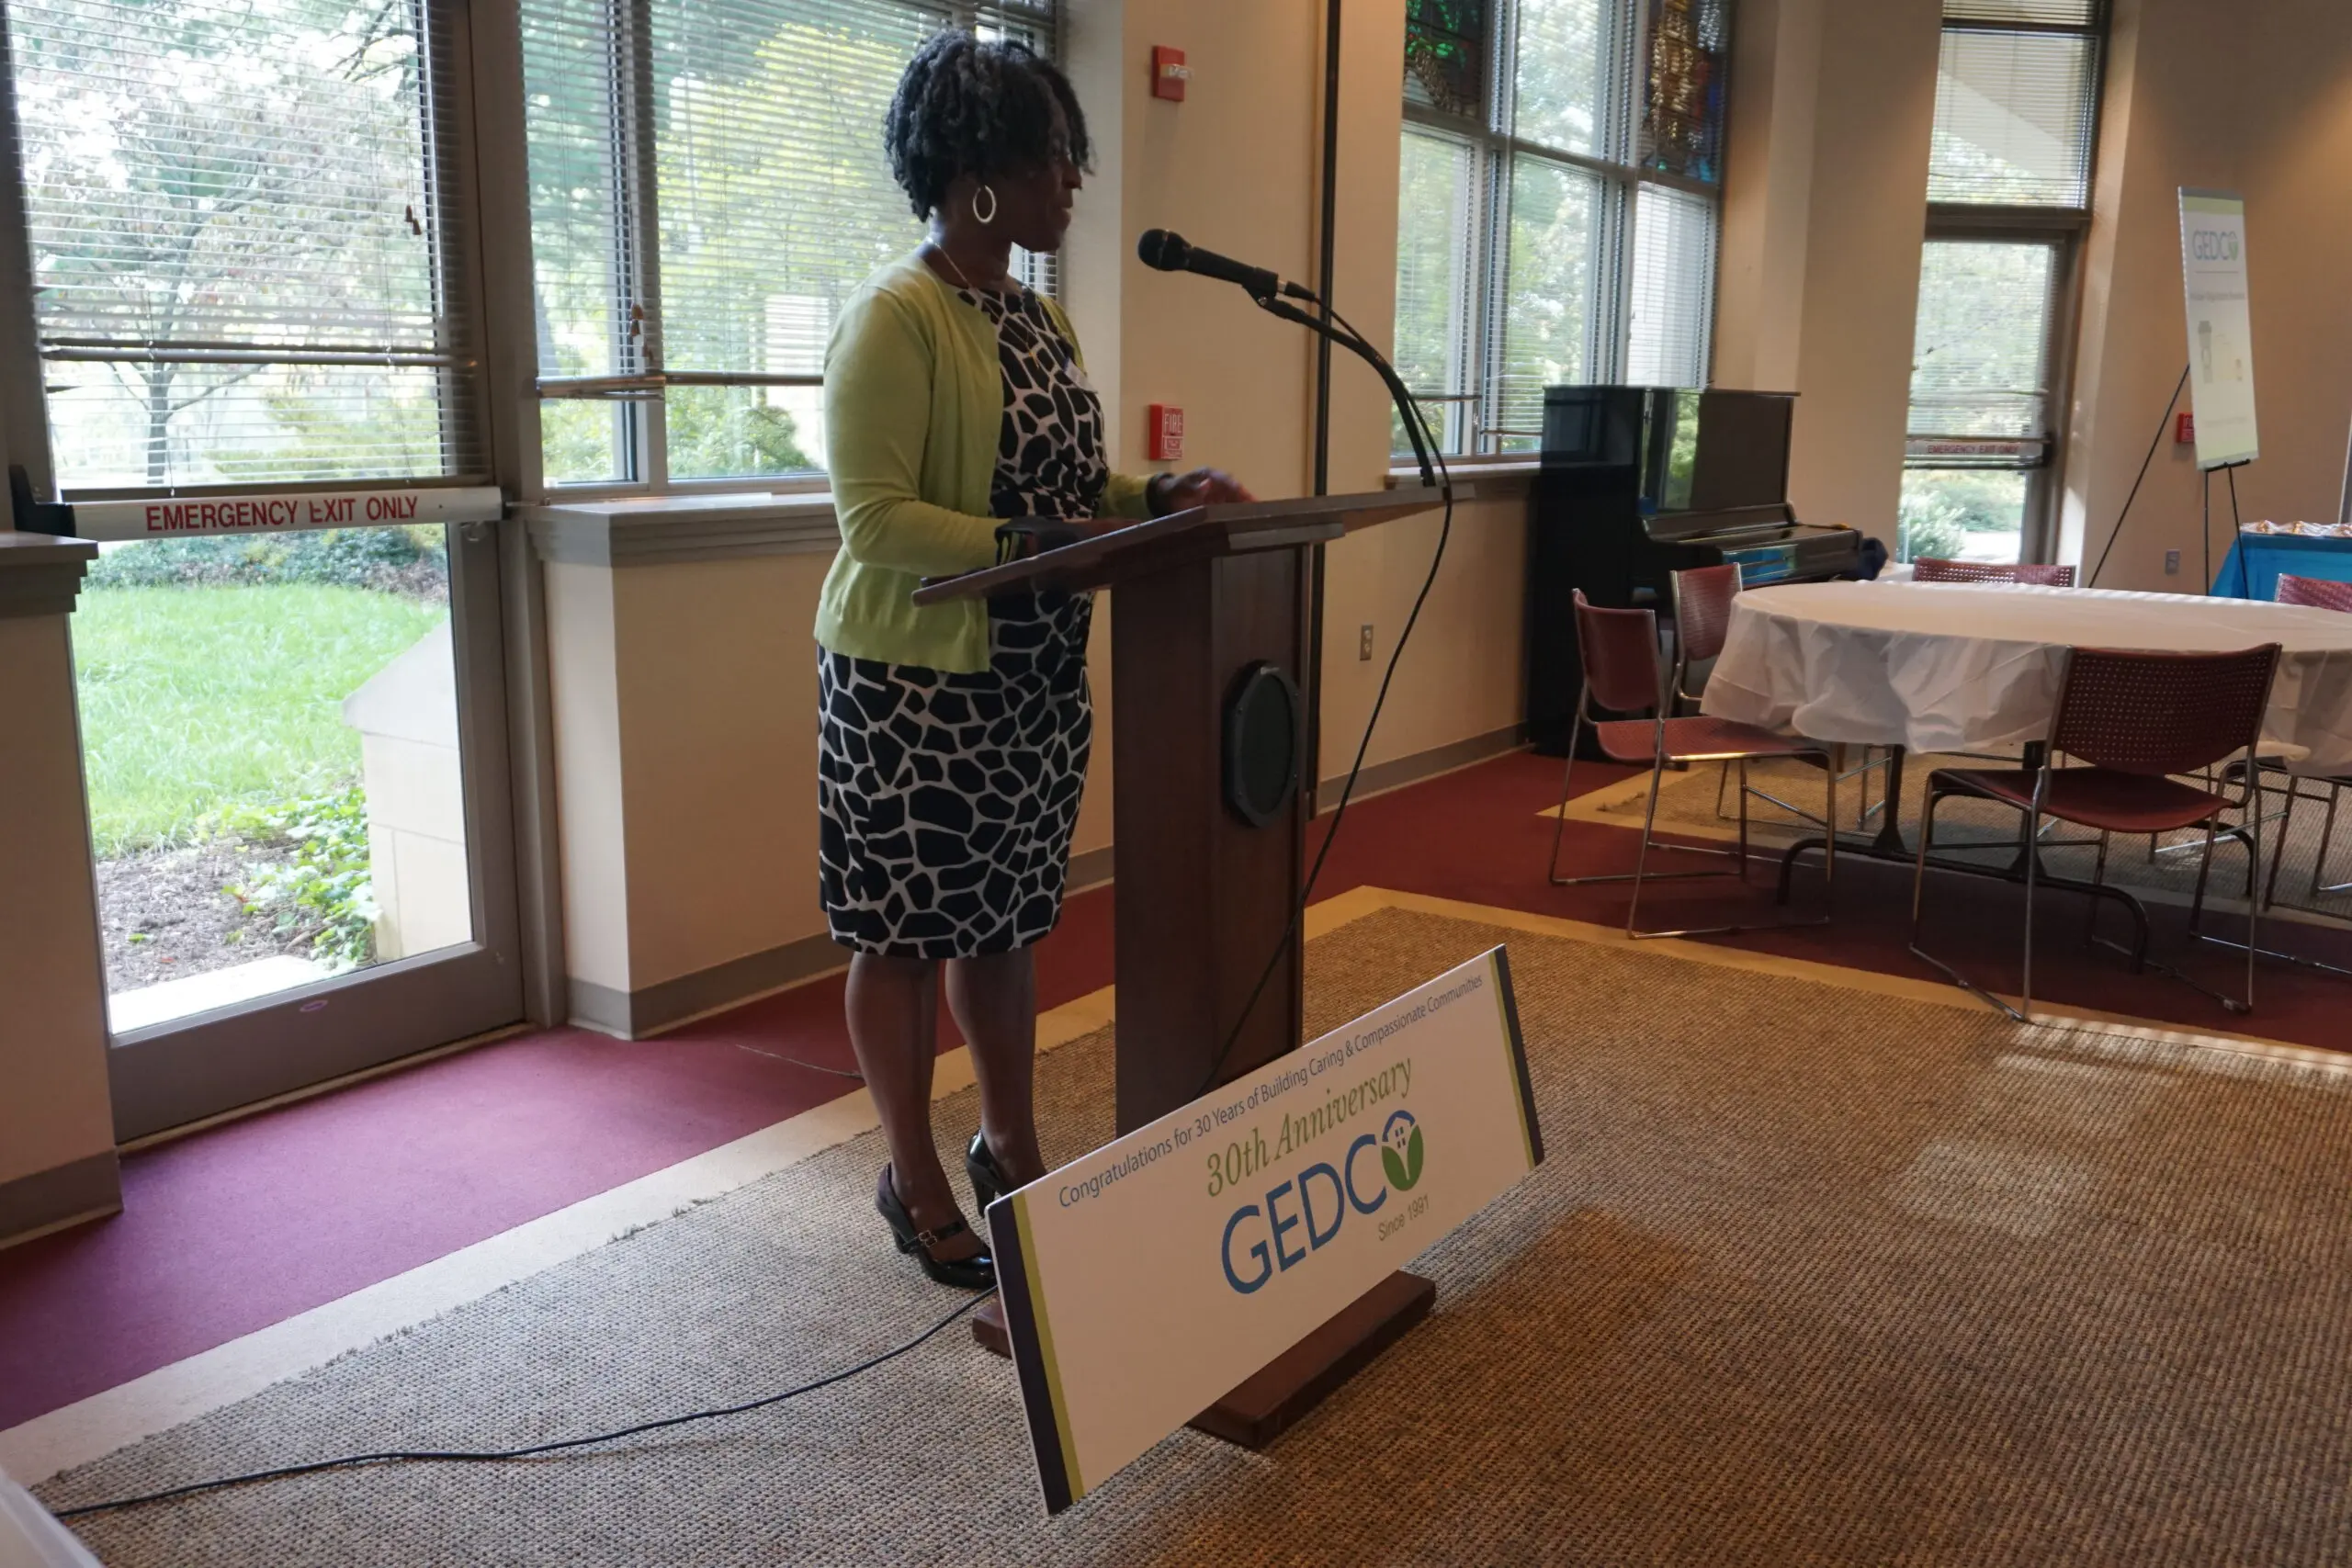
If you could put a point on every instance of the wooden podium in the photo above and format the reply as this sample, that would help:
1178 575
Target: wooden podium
1208 599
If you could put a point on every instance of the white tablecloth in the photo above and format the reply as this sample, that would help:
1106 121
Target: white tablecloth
1974 666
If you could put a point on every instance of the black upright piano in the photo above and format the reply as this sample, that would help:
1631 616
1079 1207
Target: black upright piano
1638 482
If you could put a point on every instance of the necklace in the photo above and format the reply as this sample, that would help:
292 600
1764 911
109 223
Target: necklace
941 252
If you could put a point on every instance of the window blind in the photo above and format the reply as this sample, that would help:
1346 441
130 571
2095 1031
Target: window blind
2033 13
1558 286
1561 81
1980 361
1673 289
1436 194
2014 118
245 269
708 186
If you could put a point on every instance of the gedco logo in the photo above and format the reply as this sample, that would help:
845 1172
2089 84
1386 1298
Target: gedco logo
1349 1186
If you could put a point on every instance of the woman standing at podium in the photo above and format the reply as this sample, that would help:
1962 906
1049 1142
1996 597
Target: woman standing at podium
952 739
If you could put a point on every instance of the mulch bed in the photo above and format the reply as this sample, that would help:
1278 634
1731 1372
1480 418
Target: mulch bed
165 914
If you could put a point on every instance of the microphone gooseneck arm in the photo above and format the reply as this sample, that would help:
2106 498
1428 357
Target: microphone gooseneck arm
1379 362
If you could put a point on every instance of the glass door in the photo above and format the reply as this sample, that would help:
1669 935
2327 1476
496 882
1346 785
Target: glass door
248 231
295 755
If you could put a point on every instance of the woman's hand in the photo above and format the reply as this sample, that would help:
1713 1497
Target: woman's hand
1201 486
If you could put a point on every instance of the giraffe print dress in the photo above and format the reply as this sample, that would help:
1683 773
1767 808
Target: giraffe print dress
947 802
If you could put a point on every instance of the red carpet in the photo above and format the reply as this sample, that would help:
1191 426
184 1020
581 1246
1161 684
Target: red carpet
245 1225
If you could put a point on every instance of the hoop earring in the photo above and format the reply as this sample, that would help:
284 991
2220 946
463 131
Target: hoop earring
988 217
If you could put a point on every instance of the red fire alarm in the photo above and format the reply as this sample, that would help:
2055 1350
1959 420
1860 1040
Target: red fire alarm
1169 73
2184 430
1166 437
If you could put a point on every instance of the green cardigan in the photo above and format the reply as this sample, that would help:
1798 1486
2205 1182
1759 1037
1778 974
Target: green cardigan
914 402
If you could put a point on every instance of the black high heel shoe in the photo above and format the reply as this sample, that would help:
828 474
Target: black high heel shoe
987 1178
975 1273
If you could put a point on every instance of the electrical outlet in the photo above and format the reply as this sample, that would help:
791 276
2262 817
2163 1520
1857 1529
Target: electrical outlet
1363 642
2172 563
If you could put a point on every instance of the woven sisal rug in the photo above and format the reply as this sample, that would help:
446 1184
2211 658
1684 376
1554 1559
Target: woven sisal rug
1814 1275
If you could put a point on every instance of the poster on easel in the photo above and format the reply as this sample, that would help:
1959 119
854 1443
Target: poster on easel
2221 332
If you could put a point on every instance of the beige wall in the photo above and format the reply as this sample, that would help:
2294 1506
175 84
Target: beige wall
1236 167
686 727
591 826
2256 99
1462 674
1848 183
718 673
1767 185
55 1106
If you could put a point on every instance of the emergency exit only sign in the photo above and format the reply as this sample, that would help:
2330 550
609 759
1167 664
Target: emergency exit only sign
177 516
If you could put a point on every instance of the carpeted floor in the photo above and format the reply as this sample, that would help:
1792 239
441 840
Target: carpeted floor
1688 805
1813 1275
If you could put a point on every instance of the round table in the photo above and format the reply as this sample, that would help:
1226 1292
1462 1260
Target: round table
1942 667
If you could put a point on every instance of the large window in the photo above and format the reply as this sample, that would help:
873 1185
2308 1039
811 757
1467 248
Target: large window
2008 186
1561 166
707 186
247 267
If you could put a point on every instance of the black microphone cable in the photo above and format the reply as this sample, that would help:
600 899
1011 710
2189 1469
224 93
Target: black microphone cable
492 1456
1417 424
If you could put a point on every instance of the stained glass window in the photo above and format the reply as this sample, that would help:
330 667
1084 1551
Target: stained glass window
1682 107
1445 55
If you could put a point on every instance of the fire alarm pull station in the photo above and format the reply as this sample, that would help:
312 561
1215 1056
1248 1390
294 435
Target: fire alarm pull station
1167 435
1169 73
2185 430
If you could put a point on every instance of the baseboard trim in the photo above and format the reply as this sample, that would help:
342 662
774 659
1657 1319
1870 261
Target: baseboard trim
1398 771
639 1015
66 1195
672 1004
1092 869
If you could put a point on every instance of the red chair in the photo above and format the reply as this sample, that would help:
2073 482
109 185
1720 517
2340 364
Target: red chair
1702 603
1929 569
2137 719
2317 592
1620 672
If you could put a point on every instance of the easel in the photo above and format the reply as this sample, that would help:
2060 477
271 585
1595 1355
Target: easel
2235 522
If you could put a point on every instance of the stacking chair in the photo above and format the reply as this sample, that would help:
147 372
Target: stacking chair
1934 568
1702 602
2136 718
1931 568
2321 594
1620 672
2317 592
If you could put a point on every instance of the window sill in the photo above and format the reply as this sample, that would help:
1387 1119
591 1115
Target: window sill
40 574
1495 477
655 530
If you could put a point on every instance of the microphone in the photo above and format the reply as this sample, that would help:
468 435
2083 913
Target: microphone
1168 251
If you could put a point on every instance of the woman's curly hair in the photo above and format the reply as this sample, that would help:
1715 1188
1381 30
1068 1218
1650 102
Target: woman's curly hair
966 107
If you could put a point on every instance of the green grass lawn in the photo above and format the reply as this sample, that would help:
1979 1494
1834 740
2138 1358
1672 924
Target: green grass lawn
198 698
